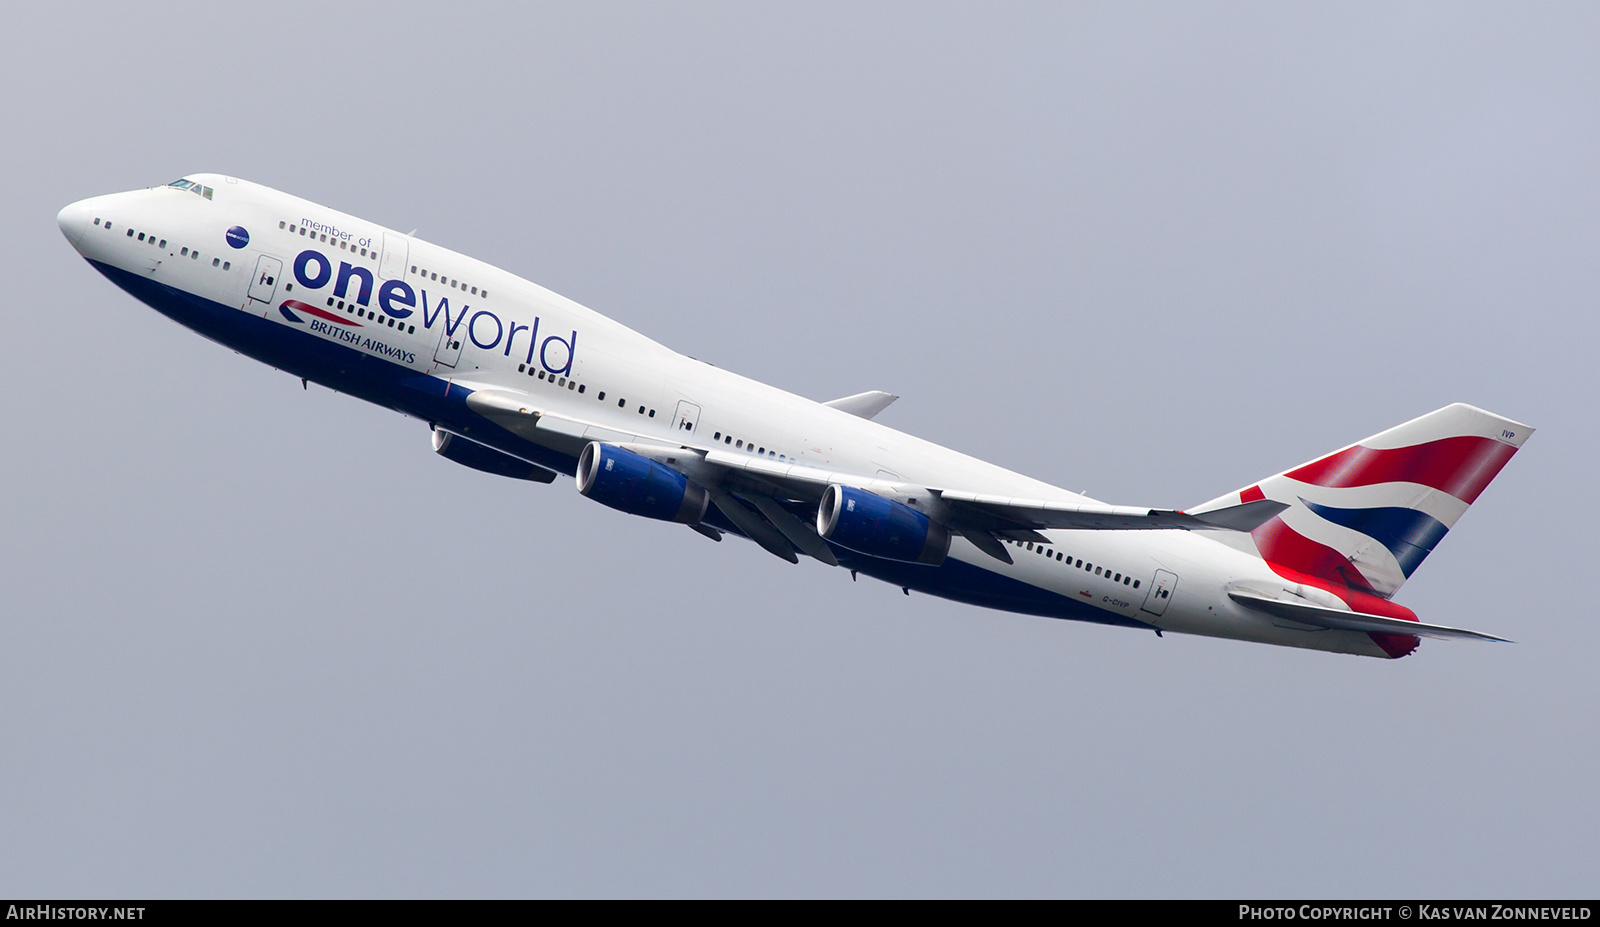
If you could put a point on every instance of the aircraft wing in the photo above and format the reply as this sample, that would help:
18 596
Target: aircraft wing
979 508
979 511
765 482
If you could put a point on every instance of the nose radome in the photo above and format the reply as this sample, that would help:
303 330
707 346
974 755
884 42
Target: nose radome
73 220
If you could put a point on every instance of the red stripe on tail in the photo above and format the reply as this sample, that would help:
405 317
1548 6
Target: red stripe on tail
1461 466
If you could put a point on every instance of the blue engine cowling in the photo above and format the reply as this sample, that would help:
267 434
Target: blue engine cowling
635 484
469 453
870 524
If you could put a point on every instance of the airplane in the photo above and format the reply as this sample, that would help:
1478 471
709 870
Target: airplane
517 381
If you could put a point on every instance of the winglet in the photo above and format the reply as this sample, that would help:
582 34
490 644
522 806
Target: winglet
866 405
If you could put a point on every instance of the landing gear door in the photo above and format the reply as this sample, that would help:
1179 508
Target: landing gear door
687 417
265 283
1161 588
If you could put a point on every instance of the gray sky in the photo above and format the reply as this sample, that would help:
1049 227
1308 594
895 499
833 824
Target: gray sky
261 641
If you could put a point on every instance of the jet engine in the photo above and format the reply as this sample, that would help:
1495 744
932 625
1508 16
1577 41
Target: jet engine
870 524
470 453
635 484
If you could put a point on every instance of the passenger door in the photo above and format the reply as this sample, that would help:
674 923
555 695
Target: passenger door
265 283
1161 588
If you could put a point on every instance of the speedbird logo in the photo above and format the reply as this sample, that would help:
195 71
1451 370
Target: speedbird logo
292 306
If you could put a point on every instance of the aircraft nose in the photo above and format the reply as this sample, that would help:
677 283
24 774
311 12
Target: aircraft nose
73 220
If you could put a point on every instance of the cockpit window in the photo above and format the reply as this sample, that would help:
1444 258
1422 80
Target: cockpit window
192 187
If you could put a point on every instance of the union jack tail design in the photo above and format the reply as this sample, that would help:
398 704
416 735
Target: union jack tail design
1364 517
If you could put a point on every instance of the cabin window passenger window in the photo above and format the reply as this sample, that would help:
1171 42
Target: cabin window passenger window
163 243
216 261
622 403
601 397
185 251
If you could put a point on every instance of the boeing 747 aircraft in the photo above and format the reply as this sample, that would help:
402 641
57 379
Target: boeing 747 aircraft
515 380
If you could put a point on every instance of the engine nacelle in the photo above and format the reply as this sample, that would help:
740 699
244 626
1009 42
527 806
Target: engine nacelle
635 484
870 524
470 453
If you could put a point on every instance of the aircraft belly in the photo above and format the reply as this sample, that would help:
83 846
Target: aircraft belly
974 584
336 366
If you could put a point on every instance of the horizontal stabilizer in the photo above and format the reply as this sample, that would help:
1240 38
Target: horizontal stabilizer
1337 620
1247 516
865 405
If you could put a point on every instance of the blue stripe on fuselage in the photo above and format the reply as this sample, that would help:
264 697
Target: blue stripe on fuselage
974 585
336 366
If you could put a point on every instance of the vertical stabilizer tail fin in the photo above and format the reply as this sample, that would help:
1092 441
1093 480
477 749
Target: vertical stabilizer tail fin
1365 516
